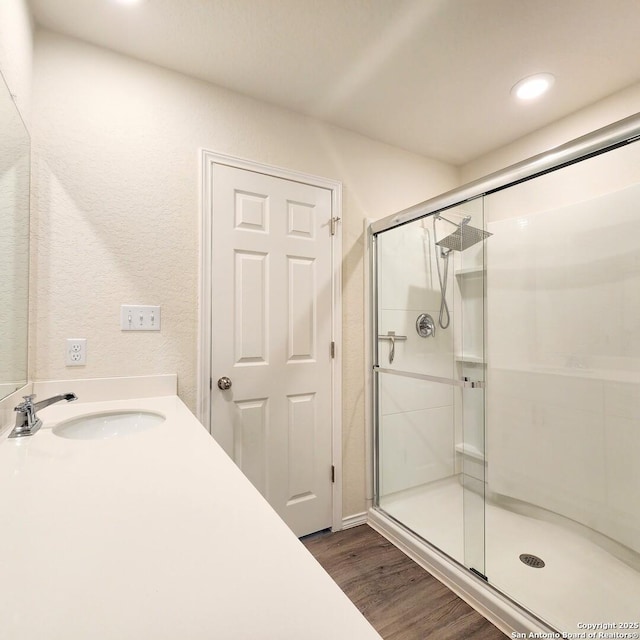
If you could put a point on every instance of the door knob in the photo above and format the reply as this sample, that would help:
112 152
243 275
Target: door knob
224 383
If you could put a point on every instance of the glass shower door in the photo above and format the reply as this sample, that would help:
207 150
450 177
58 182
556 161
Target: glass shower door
471 368
563 519
429 375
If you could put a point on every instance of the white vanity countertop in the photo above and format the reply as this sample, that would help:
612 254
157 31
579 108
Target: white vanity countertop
151 536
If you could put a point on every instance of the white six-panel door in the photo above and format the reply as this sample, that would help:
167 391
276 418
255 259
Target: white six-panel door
271 336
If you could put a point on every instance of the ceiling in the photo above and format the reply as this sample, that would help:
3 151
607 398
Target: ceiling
431 76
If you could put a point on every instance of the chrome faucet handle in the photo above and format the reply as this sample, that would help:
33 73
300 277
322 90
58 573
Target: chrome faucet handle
28 401
27 408
27 422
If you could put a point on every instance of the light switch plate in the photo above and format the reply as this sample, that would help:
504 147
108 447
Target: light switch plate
136 317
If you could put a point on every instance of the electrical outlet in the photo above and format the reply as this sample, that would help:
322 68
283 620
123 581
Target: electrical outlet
76 354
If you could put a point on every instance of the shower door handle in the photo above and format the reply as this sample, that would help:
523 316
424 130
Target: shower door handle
454 382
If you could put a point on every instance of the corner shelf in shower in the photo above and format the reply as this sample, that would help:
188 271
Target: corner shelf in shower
471 271
470 451
467 357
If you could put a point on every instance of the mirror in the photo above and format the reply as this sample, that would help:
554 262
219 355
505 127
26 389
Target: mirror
14 244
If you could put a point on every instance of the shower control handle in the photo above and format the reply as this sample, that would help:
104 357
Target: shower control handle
425 326
224 383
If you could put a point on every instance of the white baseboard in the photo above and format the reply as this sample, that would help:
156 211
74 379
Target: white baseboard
354 520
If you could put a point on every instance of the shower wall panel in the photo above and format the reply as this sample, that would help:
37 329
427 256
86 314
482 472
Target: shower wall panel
416 418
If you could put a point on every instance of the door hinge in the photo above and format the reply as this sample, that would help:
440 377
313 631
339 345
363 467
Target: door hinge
333 349
334 222
333 473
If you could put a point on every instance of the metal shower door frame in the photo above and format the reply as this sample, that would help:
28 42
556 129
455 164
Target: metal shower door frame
618 134
600 141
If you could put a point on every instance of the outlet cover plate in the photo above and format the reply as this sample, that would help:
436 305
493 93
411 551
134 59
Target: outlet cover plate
76 352
136 317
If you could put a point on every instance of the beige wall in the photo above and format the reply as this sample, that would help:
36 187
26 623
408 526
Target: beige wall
611 109
116 212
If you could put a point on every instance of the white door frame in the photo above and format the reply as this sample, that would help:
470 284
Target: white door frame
207 160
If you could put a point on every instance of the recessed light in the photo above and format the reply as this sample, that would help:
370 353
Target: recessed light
533 87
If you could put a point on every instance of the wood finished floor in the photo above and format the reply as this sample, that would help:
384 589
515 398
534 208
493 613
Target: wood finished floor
399 598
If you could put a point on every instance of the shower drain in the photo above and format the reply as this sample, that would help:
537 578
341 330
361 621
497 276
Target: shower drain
531 560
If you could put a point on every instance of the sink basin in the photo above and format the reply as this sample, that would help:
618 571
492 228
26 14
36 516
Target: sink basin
108 424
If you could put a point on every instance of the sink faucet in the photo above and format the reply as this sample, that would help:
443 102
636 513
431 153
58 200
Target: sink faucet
27 422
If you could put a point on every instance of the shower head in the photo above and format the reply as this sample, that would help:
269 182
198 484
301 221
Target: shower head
463 237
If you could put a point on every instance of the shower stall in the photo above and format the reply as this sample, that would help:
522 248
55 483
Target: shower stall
506 387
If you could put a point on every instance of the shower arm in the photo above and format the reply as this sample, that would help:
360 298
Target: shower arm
444 252
465 219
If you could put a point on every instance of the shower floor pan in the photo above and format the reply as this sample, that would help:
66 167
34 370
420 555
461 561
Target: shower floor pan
581 583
